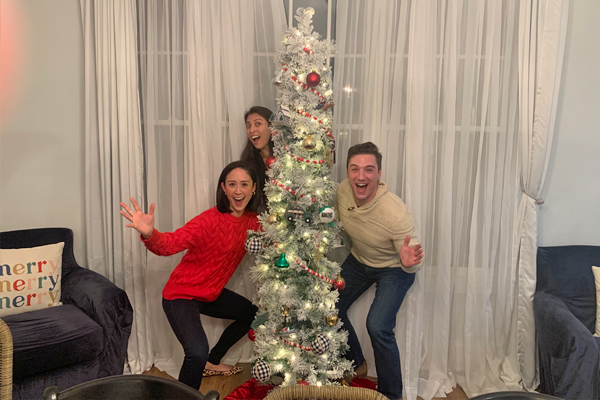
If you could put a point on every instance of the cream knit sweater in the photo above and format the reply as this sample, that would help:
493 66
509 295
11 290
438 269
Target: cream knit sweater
378 228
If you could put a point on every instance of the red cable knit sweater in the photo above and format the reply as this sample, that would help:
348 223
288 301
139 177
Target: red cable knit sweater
215 246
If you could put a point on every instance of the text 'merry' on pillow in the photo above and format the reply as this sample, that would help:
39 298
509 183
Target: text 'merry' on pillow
30 278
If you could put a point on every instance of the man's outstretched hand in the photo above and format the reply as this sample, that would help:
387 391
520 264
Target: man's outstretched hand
411 255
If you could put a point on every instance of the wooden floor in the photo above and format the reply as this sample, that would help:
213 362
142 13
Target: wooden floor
225 385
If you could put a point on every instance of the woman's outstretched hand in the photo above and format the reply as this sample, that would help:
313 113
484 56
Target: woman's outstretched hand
143 223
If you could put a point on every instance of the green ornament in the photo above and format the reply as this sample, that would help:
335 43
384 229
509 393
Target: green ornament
282 261
259 320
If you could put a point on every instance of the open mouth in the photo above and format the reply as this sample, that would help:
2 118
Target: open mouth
255 139
238 201
361 188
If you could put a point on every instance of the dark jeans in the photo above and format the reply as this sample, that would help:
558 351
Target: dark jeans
392 285
184 318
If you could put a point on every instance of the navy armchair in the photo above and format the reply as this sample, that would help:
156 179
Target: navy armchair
565 316
82 340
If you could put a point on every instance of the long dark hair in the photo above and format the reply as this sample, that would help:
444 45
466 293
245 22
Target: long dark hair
223 202
252 155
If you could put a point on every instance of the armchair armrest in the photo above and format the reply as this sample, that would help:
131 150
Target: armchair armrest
569 354
109 307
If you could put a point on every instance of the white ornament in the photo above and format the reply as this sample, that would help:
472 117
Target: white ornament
326 214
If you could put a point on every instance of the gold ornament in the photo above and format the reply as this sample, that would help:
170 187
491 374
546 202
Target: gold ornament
331 321
273 219
309 143
318 256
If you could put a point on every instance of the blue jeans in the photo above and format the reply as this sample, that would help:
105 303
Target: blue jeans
392 285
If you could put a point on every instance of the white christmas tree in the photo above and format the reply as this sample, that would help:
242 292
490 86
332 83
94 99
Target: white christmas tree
297 333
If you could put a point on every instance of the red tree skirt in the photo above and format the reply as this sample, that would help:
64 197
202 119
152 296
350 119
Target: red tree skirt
251 390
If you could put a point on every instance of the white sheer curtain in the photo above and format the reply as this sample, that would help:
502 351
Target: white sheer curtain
202 63
436 85
541 47
114 155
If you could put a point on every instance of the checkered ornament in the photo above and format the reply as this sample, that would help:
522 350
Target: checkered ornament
320 345
261 371
254 245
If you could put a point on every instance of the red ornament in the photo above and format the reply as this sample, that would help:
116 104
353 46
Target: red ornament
339 283
307 49
269 161
303 383
252 335
313 79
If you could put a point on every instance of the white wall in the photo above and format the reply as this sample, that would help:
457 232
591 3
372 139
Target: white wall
571 213
41 138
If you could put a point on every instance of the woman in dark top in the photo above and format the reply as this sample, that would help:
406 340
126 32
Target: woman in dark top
259 146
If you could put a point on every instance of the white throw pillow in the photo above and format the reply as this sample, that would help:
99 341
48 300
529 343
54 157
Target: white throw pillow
30 278
596 271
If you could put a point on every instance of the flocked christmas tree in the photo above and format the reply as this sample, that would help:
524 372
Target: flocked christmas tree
297 333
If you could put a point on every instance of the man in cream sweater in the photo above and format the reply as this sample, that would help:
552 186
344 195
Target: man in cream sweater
385 251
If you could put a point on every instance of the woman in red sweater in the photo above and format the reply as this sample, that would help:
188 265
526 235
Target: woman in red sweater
214 241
